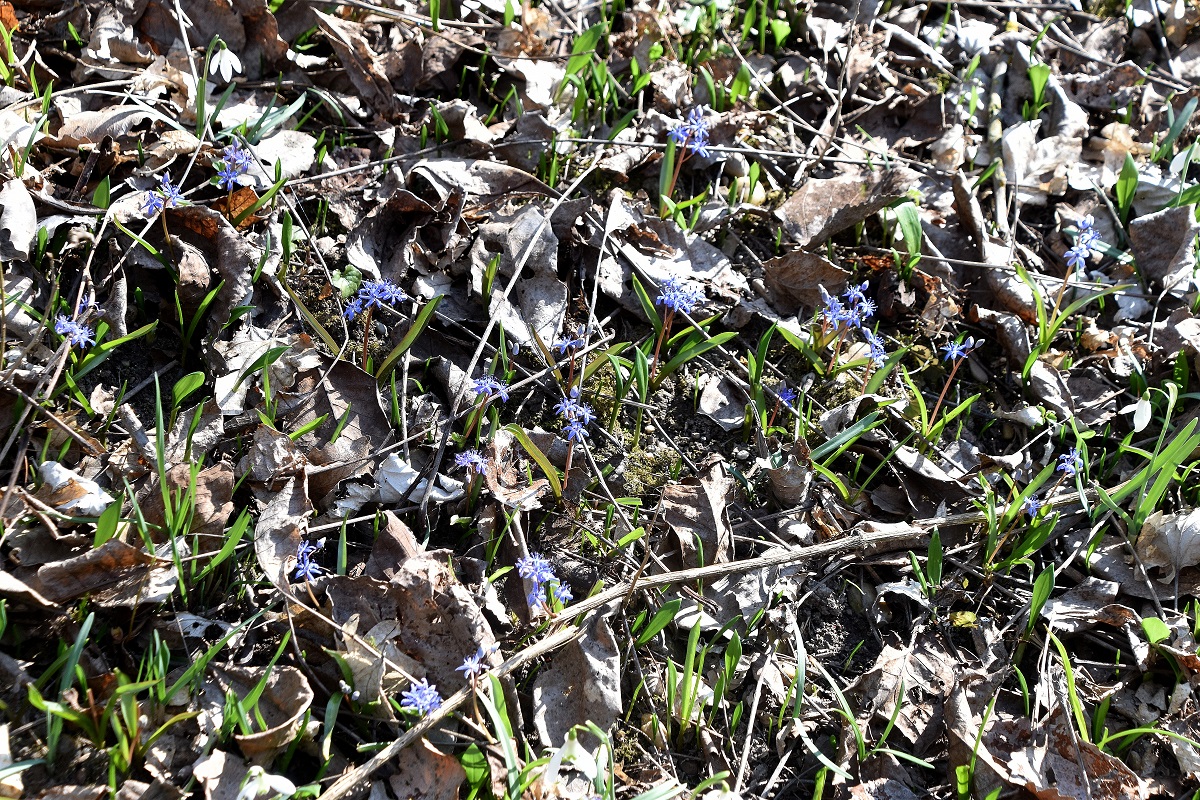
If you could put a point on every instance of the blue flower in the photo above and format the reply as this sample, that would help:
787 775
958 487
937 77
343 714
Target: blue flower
236 156
854 293
421 698
1085 242
562 593
787 395
170 192
1070 463
535 567
473 666
152 203
374 294
1031 506
76 333
852 317
575 430
679 295
866 308
228 175
957 350
569 343
537 595
878 354
834 312
490 387
692 133
1087 233
472 460
306 568
1077 256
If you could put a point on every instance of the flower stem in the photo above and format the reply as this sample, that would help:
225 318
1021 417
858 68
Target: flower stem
942 396
663 334
366 336
167 236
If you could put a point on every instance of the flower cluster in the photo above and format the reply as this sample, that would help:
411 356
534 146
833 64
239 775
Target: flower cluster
537 570
1070 464
679 295
878 354
576 415
421 697
1079 253
167 195
306 568
489 387
856 309
958 350
374 294
692 133
76 333
233 167
572 342
472 460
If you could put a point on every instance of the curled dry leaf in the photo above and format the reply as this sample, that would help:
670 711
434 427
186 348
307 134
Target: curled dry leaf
114 574
695 512
280 527
18 221
282 704
70 492
1170 542
793 280
363 66
442 623
1162 243
250 344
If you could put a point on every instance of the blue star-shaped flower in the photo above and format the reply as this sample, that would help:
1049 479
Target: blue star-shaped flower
957 350
1070 463
473 666
535 567
878 353
489 387
1031 506
77 334
472 460
421 698
679 295
562 593
575 430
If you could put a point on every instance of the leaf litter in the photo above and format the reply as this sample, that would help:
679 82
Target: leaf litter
744 399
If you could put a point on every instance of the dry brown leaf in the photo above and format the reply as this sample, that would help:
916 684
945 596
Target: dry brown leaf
425 773
582 684
280 528
1170 542
695 512
794 277
821 208
237 203
442 623
283 703
114 574
363 66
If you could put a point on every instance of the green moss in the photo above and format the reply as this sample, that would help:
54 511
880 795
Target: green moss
646 470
